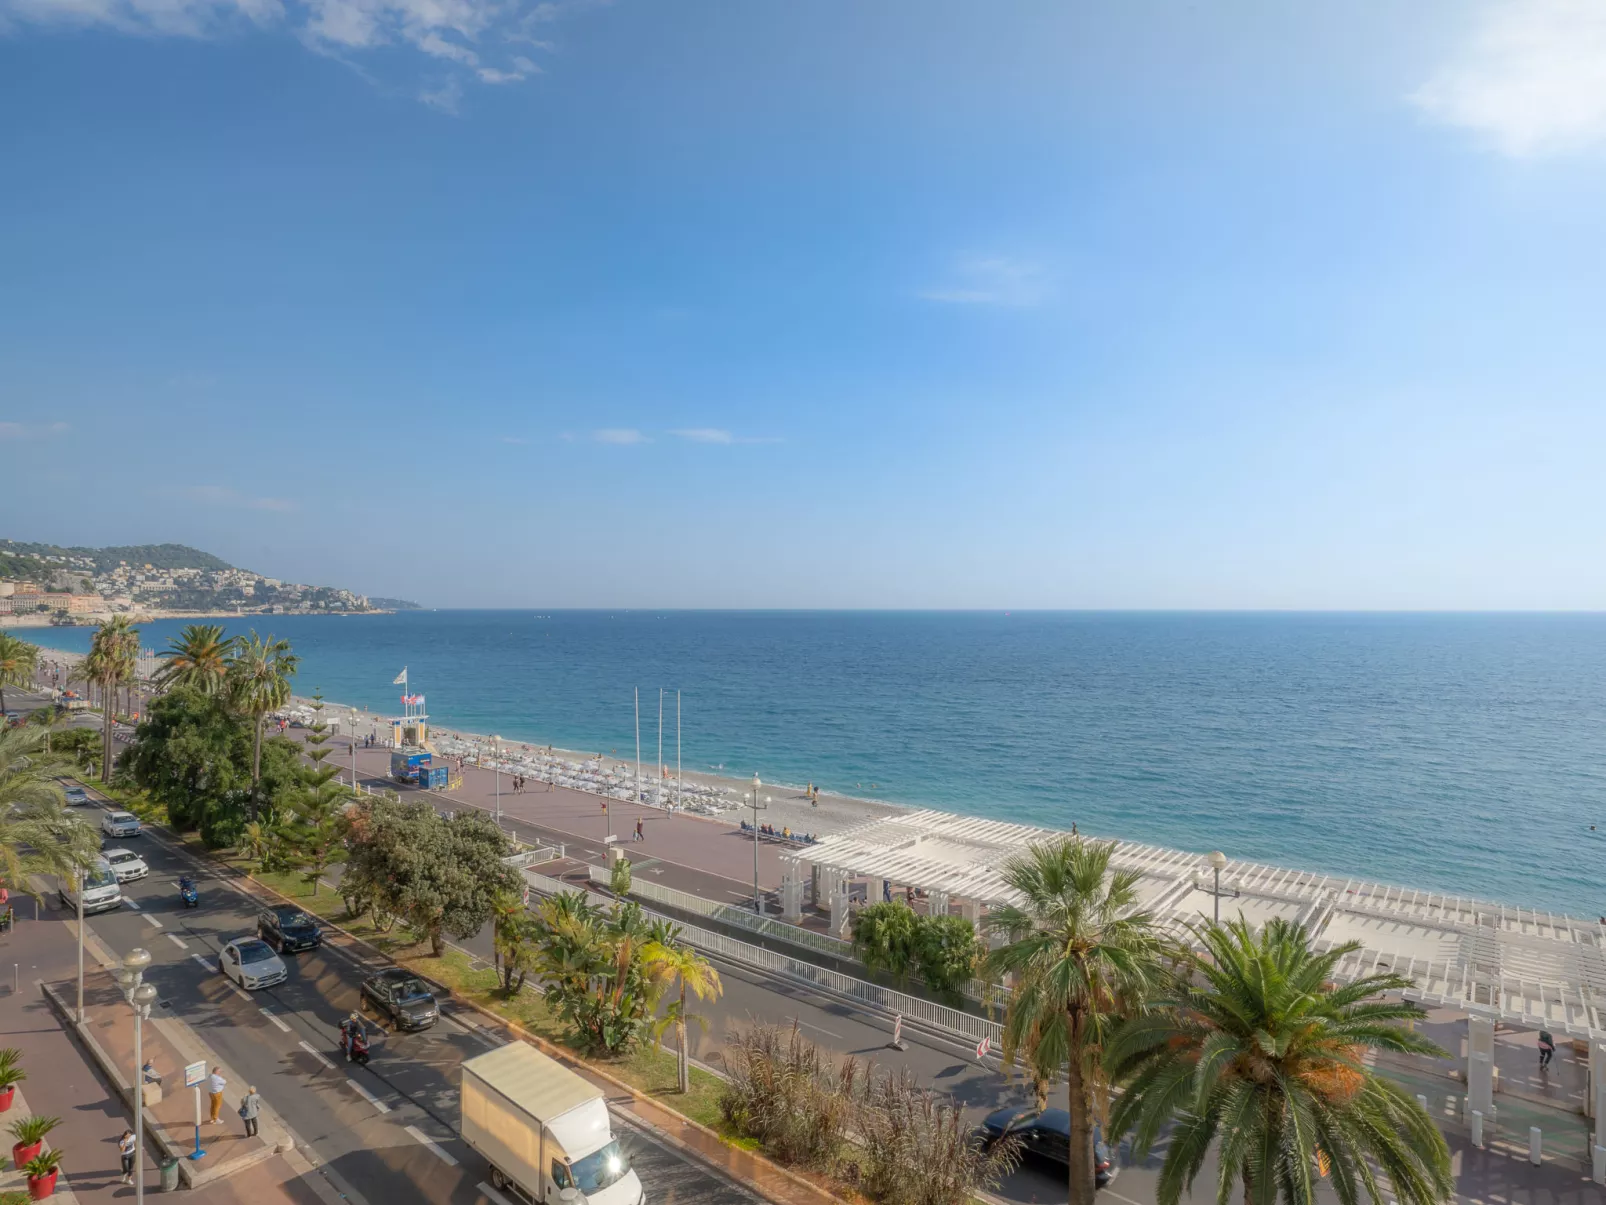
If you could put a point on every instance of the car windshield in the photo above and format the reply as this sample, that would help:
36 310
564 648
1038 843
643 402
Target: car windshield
294 920
118 859
410 989
255 951
601 1168
121 817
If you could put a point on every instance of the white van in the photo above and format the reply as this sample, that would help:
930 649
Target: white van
101 890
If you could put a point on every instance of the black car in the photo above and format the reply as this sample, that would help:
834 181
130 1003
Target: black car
401 997
287 929
1047 1135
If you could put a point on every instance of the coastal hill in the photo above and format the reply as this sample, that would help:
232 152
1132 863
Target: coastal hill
66 584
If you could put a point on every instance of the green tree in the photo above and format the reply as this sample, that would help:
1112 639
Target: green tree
1083 954
197 659
189 752
314 829
596 972
38 835
113 654
886 937
671 961
1256 1048
514 930
947 953
619 877
18 659
259 683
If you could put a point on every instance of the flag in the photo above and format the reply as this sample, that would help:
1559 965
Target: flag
401 678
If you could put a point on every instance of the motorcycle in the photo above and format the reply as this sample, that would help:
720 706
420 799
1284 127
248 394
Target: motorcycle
188 893
354 1043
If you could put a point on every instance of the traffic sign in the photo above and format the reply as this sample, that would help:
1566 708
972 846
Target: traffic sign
982 1047
194 1073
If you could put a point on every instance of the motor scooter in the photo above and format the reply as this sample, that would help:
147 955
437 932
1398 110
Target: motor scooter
354 1043
188 893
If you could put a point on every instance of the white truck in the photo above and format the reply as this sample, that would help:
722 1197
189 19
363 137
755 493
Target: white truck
101 889
545 1131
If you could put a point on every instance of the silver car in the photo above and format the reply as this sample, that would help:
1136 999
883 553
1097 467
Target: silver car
251 963
120 824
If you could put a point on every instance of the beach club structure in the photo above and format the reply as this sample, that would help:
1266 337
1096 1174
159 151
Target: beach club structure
1536 970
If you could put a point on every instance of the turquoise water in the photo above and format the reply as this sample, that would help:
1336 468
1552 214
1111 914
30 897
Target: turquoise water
1457 752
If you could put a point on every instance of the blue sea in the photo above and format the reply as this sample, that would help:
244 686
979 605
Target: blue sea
1462 753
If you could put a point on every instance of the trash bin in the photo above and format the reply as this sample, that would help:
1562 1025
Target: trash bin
169 1168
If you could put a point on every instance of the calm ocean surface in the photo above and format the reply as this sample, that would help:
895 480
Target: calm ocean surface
1458 752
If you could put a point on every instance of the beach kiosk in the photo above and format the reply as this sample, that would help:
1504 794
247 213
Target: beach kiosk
411 728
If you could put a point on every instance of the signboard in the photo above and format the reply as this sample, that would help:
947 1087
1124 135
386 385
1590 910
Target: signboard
982 1047
194 1073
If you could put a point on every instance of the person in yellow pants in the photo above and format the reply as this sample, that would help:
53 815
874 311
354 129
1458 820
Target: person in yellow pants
215 1086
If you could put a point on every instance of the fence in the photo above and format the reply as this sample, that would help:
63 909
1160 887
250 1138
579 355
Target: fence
913 1008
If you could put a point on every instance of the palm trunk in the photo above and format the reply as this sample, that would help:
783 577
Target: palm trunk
1081 1153
106 738
684 1068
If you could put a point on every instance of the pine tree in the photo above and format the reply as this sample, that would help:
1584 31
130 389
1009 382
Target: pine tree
316 825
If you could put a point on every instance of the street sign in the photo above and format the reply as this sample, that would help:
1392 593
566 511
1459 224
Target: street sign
194 1073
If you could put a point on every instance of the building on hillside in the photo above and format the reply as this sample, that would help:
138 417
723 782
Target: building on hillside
84 604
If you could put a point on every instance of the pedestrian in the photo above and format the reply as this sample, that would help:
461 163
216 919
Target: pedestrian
250 1106
126 1150
1547 1048
214 1086
641 830
150 1073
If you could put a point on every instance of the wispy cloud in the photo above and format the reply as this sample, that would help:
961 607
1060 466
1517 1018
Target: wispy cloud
718 435
471 35
619 435
221 495
511 439
992 280
1530 77
32 430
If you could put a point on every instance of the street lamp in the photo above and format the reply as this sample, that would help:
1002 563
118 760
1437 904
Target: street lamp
355 789
758 901
496 760
141 996
1217 860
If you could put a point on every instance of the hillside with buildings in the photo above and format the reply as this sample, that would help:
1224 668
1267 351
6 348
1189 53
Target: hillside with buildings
46 583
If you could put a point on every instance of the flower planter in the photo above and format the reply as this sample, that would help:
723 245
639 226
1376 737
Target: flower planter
21 1154
40 1187
7 1094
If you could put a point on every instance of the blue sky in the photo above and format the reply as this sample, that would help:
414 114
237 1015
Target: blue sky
909 303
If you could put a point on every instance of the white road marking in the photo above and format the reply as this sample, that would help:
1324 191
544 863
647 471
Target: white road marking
818 1029
315 1053
269 1014
176 940
490 1194
152 920
440 1152
131 903
241 993
206 963
368 1096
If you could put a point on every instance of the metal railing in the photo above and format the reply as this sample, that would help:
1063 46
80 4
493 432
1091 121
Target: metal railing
537 856
913 1008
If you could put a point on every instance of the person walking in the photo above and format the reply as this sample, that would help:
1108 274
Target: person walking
250 1107
1547 1048
214 1086
126 1151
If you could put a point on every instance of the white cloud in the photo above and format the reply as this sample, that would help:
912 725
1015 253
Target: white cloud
1530 77
992 280
511 439
219 495
619 435
718 435
462 32
32 430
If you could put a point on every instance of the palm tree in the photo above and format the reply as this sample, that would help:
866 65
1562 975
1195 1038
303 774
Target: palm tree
38 835
670 960
18 659
113 654
1256 1046
1083 954
259 682
198 657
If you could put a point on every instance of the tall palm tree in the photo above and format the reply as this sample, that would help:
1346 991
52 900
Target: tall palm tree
259 682
18 660
670 960
198 657
38 835
1257 1048
113 654
1083 955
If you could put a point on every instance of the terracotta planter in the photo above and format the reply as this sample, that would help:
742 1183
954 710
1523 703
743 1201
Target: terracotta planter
21 1154
40 1187
6 1095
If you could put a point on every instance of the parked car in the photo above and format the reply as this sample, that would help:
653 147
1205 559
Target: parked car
120 824
287 929
126 864
1047 1135
402 997
251 962
76 796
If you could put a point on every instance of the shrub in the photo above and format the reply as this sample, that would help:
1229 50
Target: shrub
915 1147
783 1092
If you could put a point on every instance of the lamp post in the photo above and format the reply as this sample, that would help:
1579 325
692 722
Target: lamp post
758 900
141 996
496 760
1217 860
355 789
79 872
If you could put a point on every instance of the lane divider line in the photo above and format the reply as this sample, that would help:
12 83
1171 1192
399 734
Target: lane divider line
241 992
317 1054
151 920
439 1151
368 1096
270 1015
177 940
206 964
131 903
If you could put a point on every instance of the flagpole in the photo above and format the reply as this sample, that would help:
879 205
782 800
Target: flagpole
679 781
660 739
638 744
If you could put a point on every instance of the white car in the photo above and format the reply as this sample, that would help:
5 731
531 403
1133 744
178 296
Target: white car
126 864
251 962
120 824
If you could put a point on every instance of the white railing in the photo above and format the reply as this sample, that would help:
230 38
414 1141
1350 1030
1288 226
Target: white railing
534 857
884 999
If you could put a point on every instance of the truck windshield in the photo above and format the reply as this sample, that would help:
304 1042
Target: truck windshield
99 875
601 1168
